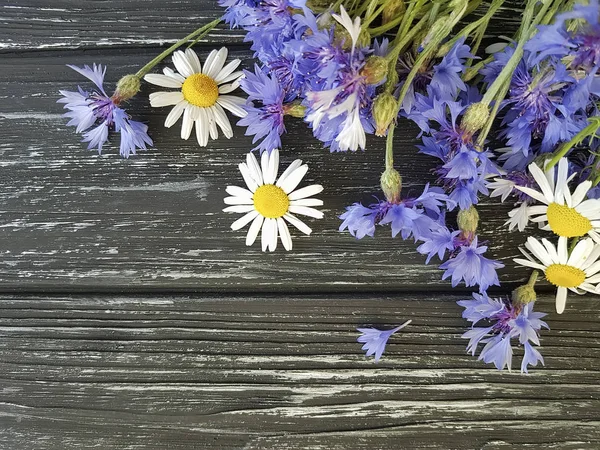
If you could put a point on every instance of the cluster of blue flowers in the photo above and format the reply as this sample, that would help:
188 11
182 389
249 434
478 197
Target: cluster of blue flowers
308 69
555 88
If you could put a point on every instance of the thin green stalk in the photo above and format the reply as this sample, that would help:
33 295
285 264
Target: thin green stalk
148 67
588 131
389 148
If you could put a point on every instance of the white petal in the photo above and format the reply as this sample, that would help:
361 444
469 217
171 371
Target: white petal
227 88
542 182
527 263
193 61
172 74
306 211
284 234
307 202
231 105
162 80
248 178
273 166
238 201
244 220
301 226
175 114
561 299
187 123
589 208
533 194
254 168
292 167
159 99
539 251
202 125
307 191
267 234
561 247
580 192
222 120
264 166
213 68
239 208
181 64
294 179
235 76
238 192
227 70
212 126
580 252
254 229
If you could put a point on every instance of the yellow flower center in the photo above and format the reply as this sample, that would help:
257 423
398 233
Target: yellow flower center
270 201
567 222
200 90
564 275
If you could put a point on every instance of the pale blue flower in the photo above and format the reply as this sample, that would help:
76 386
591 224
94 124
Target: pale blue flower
375 340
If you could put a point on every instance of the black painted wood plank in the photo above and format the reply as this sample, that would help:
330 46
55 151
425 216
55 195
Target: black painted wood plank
34 25
282 372
72 220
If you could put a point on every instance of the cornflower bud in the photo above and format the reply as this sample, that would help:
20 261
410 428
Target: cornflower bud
391 185
385 107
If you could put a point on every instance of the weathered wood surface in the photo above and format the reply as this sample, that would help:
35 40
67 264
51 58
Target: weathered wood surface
283 372
256 371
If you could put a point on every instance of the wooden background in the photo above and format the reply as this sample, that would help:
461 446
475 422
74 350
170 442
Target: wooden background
133 317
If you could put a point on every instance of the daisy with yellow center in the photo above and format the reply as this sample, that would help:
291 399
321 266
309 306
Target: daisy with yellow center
202 94
579 270
565 214
268 204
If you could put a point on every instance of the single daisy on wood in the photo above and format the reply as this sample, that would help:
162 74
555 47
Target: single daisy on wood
566 214
202 96
268 204
575 271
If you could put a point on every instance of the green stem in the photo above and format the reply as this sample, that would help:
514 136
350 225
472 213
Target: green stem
389 148
590 130
372 17
148 67
533 278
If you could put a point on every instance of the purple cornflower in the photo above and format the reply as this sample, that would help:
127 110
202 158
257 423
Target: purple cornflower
265 109
580 47
503 322
375 340
89 108
410 217
469 265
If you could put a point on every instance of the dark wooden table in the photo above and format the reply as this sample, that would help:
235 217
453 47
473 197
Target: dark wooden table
133 318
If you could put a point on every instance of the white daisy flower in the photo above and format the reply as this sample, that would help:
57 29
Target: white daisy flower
565 214
578 270
202 95
269 204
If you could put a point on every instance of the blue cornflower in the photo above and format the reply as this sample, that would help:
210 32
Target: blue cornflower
503 322
375 340
265 109
446 75
581 46
469 265
89 108
238 12
440 241
410 217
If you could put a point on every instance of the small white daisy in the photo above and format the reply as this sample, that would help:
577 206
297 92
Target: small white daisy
565 214
202 93
578 270
269 204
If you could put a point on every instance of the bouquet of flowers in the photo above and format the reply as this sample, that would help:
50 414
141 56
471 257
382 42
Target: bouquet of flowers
518 119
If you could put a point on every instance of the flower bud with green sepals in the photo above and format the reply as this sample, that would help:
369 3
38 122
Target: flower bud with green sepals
385 108
127 87
375 70
391 185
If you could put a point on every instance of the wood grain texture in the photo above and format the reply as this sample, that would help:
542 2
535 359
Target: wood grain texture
282 372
